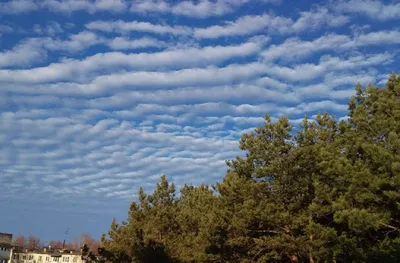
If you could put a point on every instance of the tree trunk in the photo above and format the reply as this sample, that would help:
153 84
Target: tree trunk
310 256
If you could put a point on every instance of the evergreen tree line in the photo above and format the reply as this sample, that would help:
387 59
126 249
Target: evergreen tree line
327 191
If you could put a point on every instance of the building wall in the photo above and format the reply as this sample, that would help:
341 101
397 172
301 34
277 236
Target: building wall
33 257
5 247
5 238
5 253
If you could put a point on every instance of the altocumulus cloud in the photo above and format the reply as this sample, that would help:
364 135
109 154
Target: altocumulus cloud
100 97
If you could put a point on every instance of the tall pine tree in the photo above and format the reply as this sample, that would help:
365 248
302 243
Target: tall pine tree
326 192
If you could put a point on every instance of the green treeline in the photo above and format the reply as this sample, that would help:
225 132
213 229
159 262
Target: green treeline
328 191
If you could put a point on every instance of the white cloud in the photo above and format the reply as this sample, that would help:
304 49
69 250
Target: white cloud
245 25
271 83
17 6
33 50
120 43
334 80
107 61
379 38
374 9
199 9
76 42
342 94
184 77
68 6
97 160
294 48
315 19
63 6
313 91
53 28
206 8
111 5
223 93
319 106
147 6
120 26
308 71
24 54
328 88
203 109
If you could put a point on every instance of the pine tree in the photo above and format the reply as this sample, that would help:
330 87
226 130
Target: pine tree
328 192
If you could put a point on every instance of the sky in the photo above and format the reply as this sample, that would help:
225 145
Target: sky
99 98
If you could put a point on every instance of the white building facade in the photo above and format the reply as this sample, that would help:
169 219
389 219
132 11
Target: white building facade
47 256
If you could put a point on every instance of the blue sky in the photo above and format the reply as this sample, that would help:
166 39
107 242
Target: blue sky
98 98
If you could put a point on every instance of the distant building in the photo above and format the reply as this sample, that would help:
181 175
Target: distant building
46 255
6 248
15 254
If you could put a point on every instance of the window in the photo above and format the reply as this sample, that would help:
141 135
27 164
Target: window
75 259
40 258
30 257
65 259
24 257
55 259
47 258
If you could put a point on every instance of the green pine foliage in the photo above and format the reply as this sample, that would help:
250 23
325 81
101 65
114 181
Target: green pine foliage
328 192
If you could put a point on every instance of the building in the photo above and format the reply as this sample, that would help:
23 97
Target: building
46 255
6 249
14 254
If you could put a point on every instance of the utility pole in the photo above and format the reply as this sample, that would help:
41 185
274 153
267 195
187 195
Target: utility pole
65 237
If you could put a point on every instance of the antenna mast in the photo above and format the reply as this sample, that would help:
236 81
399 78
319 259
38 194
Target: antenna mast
65 237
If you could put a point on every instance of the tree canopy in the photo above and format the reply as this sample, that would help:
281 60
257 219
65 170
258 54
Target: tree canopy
327 191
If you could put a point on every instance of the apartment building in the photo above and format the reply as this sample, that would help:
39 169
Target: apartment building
15 254
47 255
6 249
